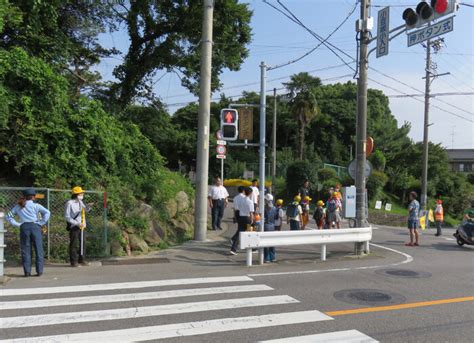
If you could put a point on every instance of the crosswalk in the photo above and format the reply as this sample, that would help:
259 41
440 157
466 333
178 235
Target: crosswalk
118 312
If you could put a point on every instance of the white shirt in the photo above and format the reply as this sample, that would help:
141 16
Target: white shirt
246 207
255 194
239 198
218 192
280 217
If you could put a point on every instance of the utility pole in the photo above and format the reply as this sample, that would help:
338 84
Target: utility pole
362 114
424 171
202 160
263 104
274 149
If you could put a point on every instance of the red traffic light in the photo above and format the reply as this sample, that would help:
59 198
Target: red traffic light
229 117
440 6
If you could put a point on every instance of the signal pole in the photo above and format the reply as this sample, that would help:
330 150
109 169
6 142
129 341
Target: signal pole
362 114
424 171
202 160
274 149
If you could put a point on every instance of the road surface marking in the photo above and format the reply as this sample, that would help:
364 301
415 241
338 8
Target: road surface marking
96 299
408 259
122 285
449 239
148 311
184 329
399 307
348 336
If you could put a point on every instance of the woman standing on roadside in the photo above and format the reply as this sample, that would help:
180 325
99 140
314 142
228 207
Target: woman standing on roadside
30 229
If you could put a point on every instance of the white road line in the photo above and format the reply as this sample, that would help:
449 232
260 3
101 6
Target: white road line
96 299
449 239
348 336
148 311
184 329
408 259
122 285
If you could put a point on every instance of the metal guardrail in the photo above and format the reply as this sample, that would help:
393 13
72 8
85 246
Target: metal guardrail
2 243
256 240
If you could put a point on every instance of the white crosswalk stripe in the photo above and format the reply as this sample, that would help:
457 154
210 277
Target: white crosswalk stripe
55 313
348 336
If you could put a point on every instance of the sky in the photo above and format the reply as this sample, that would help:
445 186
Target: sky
276 40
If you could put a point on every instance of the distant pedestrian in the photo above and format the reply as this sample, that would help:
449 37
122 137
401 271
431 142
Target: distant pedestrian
246 210
305 208
255 194
304 189
271 213
319 215
279 220
217 202
75 215
333 211
413 220
439 216
238 199
294 214
32 217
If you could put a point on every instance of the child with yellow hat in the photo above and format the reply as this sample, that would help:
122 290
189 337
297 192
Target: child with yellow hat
305 208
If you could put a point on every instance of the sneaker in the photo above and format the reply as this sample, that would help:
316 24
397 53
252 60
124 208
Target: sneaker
409 244
267 261
27 274
416 244
74 265
84 264
39 274
274 260
232 252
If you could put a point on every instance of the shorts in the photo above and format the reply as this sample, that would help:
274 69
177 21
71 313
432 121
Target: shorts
412 224
334 217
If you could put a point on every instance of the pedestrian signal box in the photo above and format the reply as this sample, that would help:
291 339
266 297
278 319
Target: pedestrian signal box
229 124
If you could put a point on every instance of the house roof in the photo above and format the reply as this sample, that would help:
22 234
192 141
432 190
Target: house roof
460 154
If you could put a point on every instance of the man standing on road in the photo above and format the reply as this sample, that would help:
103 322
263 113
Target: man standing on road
76 224
237 201
246 210
413 221
255 194
304 190
217 202
439 216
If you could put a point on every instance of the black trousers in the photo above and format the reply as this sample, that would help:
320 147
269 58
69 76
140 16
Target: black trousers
217 213
243 222
75 245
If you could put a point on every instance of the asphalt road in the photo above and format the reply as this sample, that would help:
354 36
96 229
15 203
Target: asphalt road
199 293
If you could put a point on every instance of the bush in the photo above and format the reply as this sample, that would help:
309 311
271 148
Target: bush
326 174
376 182
378 160
296 174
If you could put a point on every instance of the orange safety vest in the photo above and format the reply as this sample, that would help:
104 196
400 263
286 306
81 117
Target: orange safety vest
439 214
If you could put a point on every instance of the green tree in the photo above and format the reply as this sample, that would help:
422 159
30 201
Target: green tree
303 105
166 35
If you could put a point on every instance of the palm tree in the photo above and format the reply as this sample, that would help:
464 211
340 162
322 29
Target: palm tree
303 105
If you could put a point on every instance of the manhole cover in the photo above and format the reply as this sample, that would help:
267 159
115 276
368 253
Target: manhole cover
369 297
135 261
403 273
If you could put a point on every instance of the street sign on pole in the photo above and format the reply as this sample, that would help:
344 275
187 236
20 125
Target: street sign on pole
383 28
221 157
221 150
221 142
435 30
246 123
352 169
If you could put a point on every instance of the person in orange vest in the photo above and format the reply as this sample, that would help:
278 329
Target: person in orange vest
439 216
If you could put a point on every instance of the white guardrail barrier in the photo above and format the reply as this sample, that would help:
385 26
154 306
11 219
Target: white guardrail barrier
256 240
2 242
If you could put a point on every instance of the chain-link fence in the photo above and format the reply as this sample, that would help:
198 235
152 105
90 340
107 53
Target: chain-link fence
56 238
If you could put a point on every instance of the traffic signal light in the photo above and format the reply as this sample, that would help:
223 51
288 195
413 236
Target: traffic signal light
426 12
229 124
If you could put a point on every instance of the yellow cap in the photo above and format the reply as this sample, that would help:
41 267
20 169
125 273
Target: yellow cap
297 198
320 203
279 202
77 190
307 198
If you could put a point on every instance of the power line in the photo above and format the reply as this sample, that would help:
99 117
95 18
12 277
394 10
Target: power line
432 95
321 42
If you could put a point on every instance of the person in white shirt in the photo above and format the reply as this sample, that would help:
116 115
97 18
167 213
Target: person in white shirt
217 202
246 210
255 193
238 199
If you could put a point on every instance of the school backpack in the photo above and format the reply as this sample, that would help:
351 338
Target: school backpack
318 213
292 210
332 206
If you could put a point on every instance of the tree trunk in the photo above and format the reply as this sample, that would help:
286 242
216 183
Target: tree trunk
301 148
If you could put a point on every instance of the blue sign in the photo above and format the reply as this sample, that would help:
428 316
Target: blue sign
383 28
429 32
